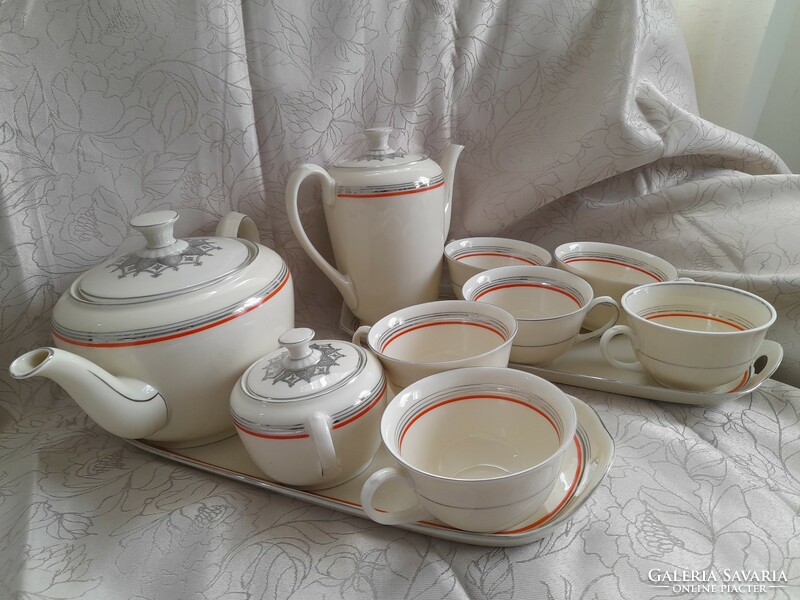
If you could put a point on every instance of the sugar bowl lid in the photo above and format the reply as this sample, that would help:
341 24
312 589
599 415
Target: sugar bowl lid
280 390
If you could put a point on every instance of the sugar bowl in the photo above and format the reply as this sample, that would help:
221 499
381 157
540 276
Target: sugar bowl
309 413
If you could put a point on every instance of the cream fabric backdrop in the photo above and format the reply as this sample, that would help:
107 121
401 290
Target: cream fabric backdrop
579 119
744 58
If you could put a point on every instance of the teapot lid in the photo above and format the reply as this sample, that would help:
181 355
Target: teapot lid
164 266
380 154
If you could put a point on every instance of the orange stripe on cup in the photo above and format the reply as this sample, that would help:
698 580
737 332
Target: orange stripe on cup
410 329
613 262
533 285
472 397
512 257
693 316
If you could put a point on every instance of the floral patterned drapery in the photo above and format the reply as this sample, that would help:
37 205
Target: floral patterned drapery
579 122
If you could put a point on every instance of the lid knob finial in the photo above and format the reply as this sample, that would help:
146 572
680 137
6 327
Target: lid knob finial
378 139
157 229
298 343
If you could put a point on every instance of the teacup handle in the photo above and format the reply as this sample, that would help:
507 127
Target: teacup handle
609 301
606 352
238 225
376 480
319 428
360 336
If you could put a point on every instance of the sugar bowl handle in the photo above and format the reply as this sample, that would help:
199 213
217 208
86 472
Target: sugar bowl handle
319 428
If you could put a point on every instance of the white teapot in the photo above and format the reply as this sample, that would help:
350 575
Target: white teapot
388 216
150 344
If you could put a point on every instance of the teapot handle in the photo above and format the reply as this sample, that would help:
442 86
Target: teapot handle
342 282
236 224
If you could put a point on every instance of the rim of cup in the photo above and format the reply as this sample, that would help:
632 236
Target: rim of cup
587 293
489 377
695 284
464 306
668 269
530 250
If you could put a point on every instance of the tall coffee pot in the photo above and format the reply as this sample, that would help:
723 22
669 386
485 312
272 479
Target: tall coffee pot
388 216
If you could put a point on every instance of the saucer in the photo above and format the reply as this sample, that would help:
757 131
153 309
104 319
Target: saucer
584 466
584 366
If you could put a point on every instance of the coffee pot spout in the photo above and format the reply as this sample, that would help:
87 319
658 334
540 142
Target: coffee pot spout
448 164
123 406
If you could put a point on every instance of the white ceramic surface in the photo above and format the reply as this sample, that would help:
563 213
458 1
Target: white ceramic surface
309 414
174 323
584 366
690 335
469 256
611 270
550 306
388 215
424 339
585 464
481 448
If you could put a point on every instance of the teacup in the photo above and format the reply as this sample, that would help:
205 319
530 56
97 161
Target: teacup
612 270
480 448
428 338
690 335
550 307
469 256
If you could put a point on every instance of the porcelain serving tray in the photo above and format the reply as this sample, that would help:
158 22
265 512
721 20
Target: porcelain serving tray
585 465
584 366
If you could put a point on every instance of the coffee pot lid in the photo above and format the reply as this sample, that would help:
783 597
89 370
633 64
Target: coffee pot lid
165 266
380 154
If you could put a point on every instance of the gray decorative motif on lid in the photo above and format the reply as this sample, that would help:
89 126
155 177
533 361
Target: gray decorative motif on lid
191 255
278 373
381 157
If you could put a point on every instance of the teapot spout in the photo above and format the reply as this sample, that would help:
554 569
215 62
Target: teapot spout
123 406
448 164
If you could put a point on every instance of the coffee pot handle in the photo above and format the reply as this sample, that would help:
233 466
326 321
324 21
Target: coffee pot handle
342 282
